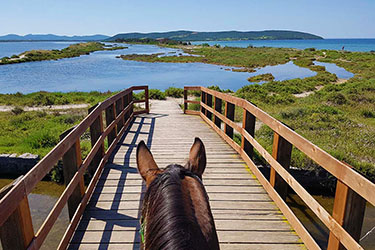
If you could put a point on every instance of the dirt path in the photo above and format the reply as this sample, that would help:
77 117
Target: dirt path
5 108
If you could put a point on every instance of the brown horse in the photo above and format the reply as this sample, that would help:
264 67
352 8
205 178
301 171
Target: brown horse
176 213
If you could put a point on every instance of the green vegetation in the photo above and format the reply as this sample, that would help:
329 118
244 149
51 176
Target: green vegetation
34 132
261 78
174 92
43 98
184 35
150 41
74 50
248 58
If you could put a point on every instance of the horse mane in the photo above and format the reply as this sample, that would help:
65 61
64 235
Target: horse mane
172 224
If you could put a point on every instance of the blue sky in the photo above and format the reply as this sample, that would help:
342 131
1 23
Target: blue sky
328 18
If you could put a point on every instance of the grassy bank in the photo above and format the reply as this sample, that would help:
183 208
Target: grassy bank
74 50
43 98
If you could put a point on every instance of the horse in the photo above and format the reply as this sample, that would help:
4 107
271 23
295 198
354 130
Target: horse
176 213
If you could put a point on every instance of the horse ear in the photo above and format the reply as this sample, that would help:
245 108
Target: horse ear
146 164
197 158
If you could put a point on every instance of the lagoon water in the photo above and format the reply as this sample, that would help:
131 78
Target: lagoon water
329 44
102 71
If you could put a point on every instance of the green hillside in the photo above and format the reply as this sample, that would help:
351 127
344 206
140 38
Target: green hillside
183 35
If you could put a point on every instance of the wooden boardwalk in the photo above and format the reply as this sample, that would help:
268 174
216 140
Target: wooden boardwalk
245 216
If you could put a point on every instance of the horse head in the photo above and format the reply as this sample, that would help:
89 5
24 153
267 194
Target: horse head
176 213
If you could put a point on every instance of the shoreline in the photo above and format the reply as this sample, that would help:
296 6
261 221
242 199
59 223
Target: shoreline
74 50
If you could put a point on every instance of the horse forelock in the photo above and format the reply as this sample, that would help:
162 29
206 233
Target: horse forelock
170 217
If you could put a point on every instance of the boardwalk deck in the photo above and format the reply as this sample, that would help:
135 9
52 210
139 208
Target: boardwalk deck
245 216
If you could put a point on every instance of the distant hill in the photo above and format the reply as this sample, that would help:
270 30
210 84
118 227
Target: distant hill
51 37
184 35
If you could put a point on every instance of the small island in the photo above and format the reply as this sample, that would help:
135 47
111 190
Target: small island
262 78
74 50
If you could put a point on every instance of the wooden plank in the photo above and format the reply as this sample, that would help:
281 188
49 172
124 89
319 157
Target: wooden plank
348 211
17 231
218 106
282 152
248 124
209 103
185 100
110 116
96 130
225 236
229 113
147 100
118 108
192 88
72 160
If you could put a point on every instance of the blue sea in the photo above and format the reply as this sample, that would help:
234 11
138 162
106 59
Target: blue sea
329 44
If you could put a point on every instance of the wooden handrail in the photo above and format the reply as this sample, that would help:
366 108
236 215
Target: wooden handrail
123 114
345 175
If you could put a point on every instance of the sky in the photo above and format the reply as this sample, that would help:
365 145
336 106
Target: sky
327 18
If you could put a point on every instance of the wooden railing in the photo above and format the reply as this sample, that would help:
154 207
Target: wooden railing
352 190
16 230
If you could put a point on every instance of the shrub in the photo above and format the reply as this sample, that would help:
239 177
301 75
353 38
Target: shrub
310 49
42 139
17 110
217 88
156 94
337 98
174 92
368 113
205 45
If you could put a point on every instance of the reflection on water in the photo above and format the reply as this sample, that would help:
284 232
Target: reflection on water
334 69
285 71
40 206
319 231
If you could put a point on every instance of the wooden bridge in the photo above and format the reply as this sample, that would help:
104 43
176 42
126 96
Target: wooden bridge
249 210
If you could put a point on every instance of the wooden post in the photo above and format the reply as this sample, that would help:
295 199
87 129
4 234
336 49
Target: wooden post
209 103
185 99
229 113
348 211
147 105
282 152
96 130
203 99
72 160
126 103
109 118
130 99
248 123
218 104
17 231
119 108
